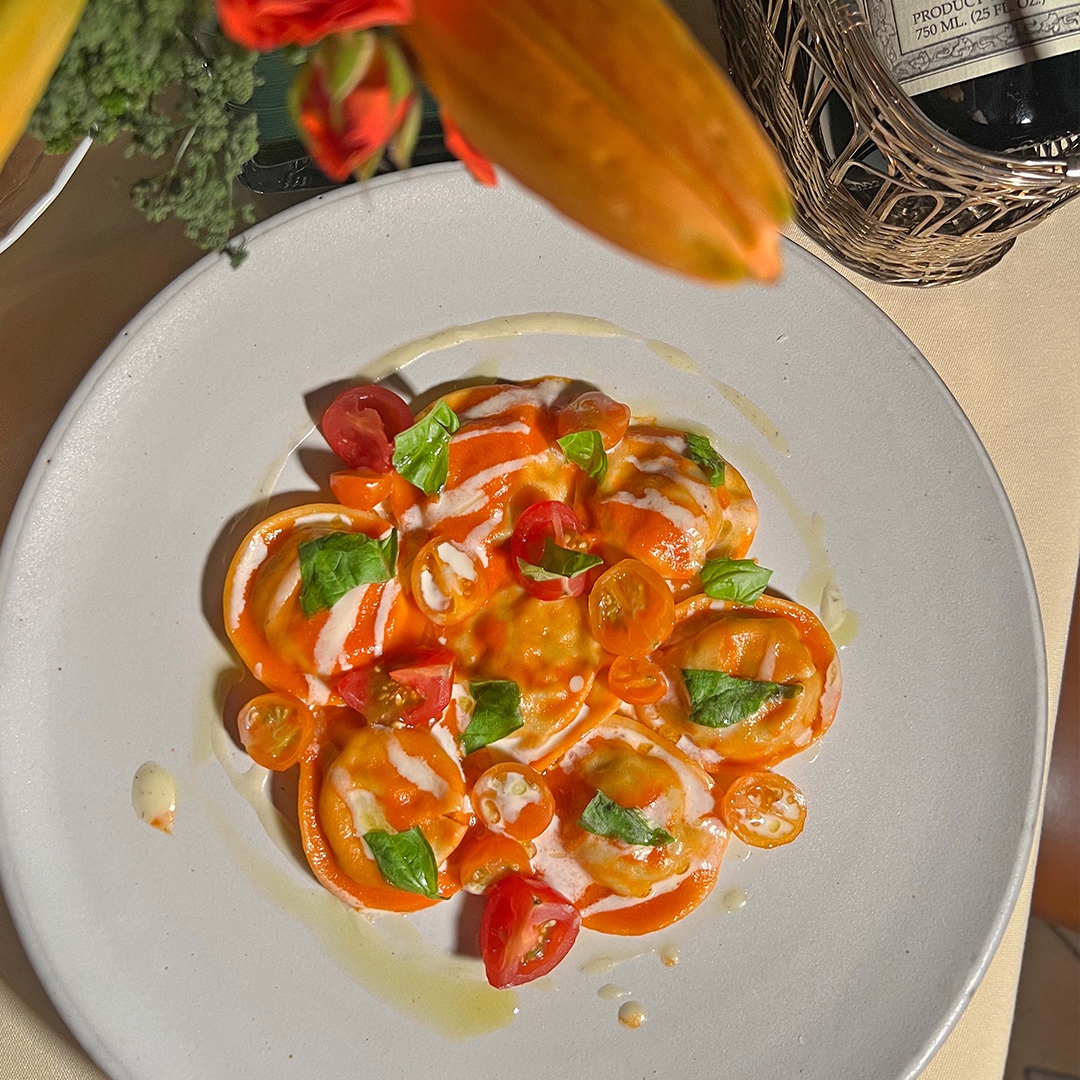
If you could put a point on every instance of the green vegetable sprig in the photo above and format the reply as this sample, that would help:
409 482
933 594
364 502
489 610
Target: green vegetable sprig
159 71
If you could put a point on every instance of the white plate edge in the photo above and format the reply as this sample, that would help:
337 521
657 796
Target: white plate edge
50 976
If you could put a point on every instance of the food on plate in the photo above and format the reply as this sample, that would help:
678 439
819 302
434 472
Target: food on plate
526 655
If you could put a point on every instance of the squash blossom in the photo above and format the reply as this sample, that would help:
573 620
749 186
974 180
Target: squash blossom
612 112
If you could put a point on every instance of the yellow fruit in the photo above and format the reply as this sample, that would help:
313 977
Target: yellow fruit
33 36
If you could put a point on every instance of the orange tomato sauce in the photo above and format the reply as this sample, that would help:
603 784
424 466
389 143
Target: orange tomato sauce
456 587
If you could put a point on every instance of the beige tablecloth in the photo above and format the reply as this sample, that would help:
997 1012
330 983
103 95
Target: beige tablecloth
1007 344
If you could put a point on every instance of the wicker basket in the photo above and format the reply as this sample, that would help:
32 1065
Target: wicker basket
884 189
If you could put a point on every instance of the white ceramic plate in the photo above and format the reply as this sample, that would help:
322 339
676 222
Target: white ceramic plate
209 955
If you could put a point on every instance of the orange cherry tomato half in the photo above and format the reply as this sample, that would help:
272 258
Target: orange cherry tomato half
631 609
448 584
361 423
595 411
555 521
526 930
764 809
489 859
360 489
636 680
514 800
414 693
276 729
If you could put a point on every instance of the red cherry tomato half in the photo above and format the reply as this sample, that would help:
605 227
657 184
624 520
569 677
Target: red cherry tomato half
526 930
360 424
545 521
414 693
595 411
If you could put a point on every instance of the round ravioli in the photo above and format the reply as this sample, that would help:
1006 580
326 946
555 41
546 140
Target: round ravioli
636 842
501 460
286 648
546 647
661 507
751 685
379 779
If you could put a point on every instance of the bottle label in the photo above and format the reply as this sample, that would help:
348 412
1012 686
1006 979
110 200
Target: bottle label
934 43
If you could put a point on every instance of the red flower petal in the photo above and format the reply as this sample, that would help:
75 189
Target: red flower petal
264 25
481 169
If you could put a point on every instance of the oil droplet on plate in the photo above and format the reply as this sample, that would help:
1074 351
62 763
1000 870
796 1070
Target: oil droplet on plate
669 955
734 899
612 992
631 1014
153 796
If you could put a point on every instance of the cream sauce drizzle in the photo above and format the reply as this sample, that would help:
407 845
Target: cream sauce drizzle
153 796
254 556
612 992
330 654
632 1015
557 322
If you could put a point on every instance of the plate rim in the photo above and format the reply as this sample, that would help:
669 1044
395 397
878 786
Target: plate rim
69 1006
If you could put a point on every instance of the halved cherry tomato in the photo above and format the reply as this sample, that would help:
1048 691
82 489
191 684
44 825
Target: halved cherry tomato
527 929
631 609
360 424
543 521
448 584
360 489
636 680
489 859
764 809
414 693
275 729
595 411
514 800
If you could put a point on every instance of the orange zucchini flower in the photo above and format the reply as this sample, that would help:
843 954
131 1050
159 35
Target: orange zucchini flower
612 112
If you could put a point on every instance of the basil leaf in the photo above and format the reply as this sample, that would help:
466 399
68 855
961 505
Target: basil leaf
405 860
332 565
605 817
558 562
586 450
700 451
718 700
741 580
422 452
496 714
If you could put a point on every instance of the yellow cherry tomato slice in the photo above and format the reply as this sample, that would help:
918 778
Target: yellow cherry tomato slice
276 729
448 584
764 809
514 800
636 680
490 858
631 609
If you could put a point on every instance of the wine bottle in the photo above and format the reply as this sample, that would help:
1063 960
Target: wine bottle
1001 75
1014 109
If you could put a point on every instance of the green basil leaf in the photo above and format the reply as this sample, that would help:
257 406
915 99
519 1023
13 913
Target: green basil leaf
558 562
422 452
718 700
405 860
586 450
700 451
741 580
332 565
496 713
605 817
